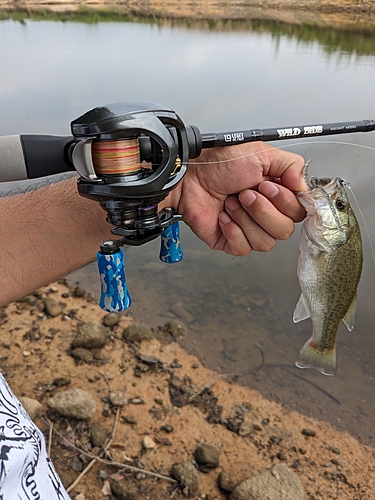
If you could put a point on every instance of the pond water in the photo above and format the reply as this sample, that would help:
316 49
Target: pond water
244 76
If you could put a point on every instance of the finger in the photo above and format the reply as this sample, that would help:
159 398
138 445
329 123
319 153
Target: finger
232 241
265 214
283 199
259 238
289 167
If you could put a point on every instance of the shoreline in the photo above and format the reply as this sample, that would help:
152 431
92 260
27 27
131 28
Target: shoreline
334 14
170 405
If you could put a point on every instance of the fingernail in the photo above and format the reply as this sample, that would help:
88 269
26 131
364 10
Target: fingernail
269 189
232 204
224 218
247 197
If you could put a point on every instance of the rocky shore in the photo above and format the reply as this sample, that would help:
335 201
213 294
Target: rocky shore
128 414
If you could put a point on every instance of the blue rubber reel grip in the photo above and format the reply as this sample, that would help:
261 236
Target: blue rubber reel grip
114 295
170 249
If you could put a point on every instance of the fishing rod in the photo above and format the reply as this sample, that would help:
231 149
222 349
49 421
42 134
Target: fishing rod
129 156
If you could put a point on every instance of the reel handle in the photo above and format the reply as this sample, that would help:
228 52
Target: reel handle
114 294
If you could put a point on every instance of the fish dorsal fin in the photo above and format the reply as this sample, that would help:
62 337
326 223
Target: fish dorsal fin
301 311
349 317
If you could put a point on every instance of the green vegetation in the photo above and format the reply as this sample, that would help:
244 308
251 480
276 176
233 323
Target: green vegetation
359 41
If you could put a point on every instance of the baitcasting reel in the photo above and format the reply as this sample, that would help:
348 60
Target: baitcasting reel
129 157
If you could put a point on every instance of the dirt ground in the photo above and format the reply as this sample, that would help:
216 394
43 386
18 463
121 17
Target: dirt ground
169 397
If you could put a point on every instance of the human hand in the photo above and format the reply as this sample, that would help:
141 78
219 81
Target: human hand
238 199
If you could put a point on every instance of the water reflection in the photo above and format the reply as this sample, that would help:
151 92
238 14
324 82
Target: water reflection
227 80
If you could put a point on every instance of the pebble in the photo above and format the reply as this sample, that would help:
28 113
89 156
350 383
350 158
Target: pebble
207 456
74 403
118 398
32 406
167 428
82 354
282 455
308 432
136 333
111 319
336 450
136 401
225 482
52 308
158 401
129 419
79 291
278 482
148 360
125 490
148 443
91 335
26 354
61 381
98 434
175 328
187 476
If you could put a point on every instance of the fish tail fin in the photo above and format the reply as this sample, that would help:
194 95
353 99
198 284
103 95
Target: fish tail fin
313 355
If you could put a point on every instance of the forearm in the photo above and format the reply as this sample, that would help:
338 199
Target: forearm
46 234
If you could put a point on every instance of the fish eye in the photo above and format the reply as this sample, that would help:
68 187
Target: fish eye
340 204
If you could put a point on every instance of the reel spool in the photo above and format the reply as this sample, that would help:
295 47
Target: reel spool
129 157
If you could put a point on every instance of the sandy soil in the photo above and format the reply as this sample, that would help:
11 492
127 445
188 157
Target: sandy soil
36 350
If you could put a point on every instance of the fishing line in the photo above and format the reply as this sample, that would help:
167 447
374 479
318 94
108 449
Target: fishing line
363 220
342 143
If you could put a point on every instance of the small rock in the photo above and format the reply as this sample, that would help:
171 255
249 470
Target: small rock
61 381
158 401
167 428
225 482
245 428
52 308
137 401
74 403
117 398
98 434
91 335
308 432
175 328
148 443
278 482
82 354
32 406
207 456
187 476
136 333
79 291
26 354
336 450
125 490
129 419
282 455
111 319
148 360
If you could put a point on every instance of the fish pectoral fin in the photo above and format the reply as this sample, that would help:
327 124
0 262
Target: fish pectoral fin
301 311
349 317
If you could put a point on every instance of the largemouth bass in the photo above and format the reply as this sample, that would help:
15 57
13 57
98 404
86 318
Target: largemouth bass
329 270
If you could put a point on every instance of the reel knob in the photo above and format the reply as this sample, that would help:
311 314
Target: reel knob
114 294
170 246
